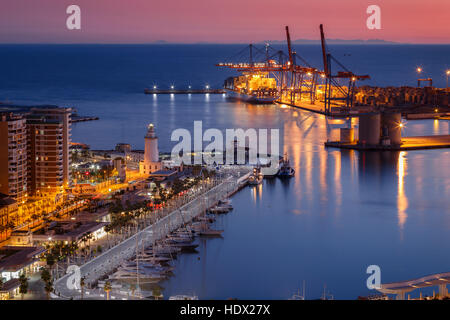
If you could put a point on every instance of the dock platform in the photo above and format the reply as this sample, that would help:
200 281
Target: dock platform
408 143
184 91
319 107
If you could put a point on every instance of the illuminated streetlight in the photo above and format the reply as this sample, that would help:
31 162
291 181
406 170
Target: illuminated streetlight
419 71
172 87
207 86
448 74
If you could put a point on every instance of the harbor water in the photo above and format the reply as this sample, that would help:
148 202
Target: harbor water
343 211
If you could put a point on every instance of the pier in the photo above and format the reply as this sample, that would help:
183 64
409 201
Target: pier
105 263
407 143
440 280
184 91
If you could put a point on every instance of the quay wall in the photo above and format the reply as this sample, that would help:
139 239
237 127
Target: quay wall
401 96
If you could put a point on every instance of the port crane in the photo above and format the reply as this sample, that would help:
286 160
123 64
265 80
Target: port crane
297 81
336 94
294 81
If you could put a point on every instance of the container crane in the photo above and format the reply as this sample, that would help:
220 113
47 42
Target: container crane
342 95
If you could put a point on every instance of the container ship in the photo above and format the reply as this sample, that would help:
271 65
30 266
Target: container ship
255 88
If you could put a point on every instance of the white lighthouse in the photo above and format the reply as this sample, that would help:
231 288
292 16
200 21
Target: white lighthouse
151 161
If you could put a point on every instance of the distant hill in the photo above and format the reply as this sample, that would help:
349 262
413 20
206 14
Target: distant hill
333 41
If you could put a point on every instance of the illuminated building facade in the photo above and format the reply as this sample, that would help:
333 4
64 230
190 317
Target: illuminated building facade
13 156
48 150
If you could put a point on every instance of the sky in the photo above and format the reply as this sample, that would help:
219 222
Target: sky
221 21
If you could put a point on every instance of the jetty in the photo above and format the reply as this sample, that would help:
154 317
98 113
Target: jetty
407 143
440 280
184 91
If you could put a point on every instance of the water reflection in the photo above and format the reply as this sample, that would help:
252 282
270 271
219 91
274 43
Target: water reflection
342 210
402 200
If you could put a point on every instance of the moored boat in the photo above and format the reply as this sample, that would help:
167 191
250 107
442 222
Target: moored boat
286 171
256 177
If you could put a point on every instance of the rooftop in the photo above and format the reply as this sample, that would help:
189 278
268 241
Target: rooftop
67 230
14 258
6 200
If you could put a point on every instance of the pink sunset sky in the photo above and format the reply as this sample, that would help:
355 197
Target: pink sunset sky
221 21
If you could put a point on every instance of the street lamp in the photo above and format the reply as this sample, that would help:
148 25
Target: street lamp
419 71
448 74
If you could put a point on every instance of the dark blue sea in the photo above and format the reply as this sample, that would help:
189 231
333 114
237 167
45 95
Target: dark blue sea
342 212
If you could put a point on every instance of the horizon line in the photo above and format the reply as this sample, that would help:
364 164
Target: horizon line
372 42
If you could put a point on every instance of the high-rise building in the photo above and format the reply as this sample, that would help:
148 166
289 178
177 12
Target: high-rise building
151 161
48 150
13 156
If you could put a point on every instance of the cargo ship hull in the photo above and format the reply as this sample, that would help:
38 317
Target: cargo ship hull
253 99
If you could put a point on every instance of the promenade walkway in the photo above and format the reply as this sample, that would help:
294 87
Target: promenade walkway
110 259
441 280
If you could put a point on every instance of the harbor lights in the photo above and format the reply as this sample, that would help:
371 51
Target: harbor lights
207 87
154 87
172 87
419 71
447 74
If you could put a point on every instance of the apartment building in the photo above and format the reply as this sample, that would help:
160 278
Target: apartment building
13 156
48 150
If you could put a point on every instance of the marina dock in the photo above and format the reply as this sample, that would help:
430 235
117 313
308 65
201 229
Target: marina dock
105 263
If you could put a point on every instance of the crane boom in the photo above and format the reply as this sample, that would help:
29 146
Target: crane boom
324 52
288 37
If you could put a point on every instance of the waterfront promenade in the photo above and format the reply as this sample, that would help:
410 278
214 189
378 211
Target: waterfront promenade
112 258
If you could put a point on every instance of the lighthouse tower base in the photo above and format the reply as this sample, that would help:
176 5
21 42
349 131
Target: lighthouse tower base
149 167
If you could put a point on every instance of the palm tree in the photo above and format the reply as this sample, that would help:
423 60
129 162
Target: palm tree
107 289
48 288
82 285
23 287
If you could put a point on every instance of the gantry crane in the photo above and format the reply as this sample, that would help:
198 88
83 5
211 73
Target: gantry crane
335 94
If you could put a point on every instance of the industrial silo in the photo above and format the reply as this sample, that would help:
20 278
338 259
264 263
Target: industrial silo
369 129
391 122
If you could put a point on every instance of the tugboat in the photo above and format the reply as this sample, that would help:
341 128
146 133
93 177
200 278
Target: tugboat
286 171
256 177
